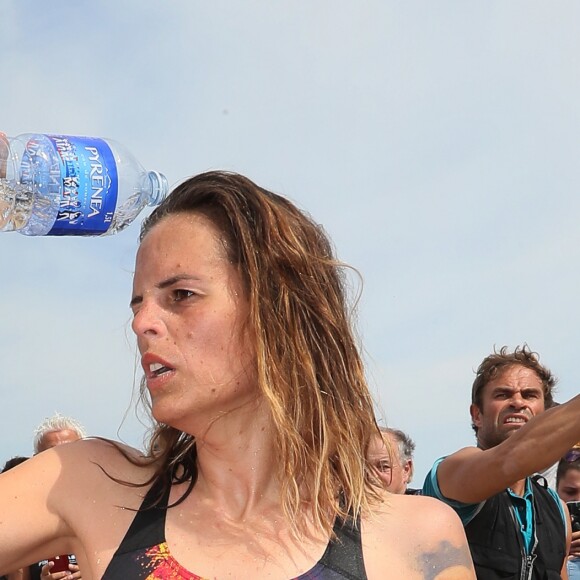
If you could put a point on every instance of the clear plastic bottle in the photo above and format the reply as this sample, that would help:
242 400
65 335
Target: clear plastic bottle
63 185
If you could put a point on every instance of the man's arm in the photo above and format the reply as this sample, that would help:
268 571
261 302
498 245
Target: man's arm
473 475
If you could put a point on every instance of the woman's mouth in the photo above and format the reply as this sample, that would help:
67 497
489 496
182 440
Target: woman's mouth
157 369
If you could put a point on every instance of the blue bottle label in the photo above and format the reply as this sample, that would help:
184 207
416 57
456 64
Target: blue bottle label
89 186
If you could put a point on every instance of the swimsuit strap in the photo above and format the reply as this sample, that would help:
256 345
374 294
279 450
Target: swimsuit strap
342 559
344 552
148 526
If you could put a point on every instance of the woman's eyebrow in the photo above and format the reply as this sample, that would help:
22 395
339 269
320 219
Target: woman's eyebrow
174 279
164 284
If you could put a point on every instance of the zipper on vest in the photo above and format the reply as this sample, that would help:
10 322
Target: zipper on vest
528 560
528 567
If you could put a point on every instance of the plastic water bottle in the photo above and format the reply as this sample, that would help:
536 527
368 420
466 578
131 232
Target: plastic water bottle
62 185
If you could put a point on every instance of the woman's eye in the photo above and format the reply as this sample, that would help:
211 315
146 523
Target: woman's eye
179 295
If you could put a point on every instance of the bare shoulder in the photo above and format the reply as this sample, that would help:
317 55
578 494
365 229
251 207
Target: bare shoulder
421 536
89 468
68 498
103 450
84 455
109 459
100 485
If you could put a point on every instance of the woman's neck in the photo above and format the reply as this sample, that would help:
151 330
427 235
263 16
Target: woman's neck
237 462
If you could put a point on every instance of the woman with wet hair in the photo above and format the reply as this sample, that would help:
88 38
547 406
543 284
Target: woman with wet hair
256 466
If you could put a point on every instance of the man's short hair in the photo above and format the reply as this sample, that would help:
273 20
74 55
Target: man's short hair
498 361
406 446
57 422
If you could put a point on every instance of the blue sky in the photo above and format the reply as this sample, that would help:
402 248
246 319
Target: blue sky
437 142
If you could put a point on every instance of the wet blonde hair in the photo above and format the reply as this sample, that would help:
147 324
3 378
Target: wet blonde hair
308 365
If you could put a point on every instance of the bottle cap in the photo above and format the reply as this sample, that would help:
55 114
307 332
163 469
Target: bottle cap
159 188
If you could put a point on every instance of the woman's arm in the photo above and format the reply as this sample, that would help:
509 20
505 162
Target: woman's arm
31 522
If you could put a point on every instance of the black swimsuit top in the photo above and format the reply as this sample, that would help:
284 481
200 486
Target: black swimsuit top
144 553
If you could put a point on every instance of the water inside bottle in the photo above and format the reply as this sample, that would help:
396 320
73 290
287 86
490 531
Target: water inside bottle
15 205
3 154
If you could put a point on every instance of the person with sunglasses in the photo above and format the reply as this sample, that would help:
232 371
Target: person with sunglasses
516 526
568 486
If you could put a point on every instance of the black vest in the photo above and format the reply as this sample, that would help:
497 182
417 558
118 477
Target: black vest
497 546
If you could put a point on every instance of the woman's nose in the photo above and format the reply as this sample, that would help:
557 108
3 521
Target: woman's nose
147 320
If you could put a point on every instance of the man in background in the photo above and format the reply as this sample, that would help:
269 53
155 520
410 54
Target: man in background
57 430
391 453
516 526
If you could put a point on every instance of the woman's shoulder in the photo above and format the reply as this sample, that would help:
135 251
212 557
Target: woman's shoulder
94 448
426 518
95 458
421 512
101 447
428 533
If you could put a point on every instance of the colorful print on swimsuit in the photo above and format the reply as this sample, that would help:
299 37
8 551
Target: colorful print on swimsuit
160 565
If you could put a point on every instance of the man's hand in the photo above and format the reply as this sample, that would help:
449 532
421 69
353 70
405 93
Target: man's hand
575 545
74 572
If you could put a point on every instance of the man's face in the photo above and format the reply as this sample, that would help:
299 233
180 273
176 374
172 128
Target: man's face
391 470
508 402
54 438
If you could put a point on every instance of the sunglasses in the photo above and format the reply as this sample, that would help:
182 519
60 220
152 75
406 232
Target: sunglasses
572 455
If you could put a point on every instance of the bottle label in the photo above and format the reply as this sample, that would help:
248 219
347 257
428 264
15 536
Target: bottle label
89 186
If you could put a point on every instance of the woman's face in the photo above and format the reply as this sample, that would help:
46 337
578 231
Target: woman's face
569 485
189 310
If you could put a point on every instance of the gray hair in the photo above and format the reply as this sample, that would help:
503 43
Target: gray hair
57 422
406 446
